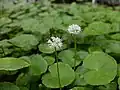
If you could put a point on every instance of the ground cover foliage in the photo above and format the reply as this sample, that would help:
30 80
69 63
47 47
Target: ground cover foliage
27 63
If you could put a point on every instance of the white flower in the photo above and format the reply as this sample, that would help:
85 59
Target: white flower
74 29
55 42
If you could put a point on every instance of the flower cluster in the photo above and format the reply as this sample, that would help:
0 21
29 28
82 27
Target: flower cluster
55 42
74 29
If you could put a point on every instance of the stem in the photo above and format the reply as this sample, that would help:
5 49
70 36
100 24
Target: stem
75 47
58 69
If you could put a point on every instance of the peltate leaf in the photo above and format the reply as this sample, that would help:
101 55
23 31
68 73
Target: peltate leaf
97 28
115 36
46 49
50 60
8 86
102 68
51 79
79 79
24 41
11 64
110 86
38 65
4 20
81 88
67 56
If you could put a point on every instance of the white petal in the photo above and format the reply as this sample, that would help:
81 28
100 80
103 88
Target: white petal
74 29
55 42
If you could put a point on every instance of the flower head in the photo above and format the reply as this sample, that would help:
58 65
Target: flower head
55 42
74 29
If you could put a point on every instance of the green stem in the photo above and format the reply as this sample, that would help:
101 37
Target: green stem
75 47
58 70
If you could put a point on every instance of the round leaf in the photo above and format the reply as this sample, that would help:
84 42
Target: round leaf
8 86
23 79
81 88
118 70
50 60
79 79
67 56
33 25
119 82
25 41
110 86
23 88
97 28
102 68
115 36
113 47
67 76
38 65
4 20
93 48
78 88
11 64
45 48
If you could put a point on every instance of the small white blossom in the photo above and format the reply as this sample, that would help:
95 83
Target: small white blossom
55 42
74 29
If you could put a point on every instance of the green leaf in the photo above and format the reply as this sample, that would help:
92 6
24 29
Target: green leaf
79 79
66 19
115 27
42 87
88 17
94 48
38 65
67 76
115 36
50 60
5 30
113 47
114 17
11 64
4 20
46 49
30 24
82 54
23 88
4 43
73 9
24 41
119 82
2 72
81 88
102 68
16 14
110 46
8 86
118 69
99 16
4 48
97 28
68 57
23 79
48 21
33 25
110 86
